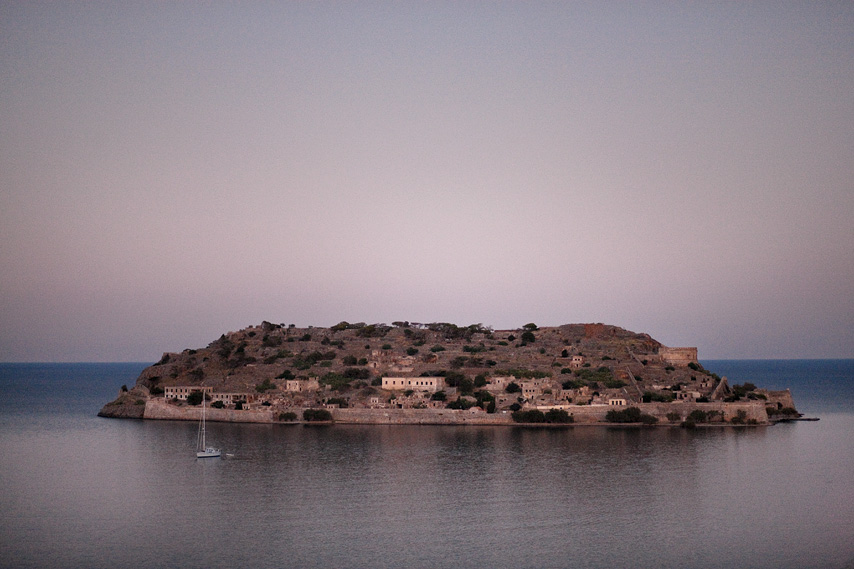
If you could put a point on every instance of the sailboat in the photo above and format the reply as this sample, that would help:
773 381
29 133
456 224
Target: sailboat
205 451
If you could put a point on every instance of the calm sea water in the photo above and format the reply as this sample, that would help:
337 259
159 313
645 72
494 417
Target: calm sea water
82 491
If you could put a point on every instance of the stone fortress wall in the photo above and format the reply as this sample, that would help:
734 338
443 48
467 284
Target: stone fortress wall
582 414
678 356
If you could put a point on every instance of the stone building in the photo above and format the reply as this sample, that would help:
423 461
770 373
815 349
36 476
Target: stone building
429 384
181 392
678 356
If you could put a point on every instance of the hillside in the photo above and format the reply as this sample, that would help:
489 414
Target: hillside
436 365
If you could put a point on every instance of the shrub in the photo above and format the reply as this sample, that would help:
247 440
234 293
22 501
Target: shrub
652 396
287 374
288 416
357 373
528 337
439 396
194 398
740 417
698 416
630 415
349 360
411 351
673 416
335 380
529 416
558 416
314 415
217 404
437 348
340 401
461 403
265 385
513 387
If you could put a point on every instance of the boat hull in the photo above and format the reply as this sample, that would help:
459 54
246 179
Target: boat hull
208 453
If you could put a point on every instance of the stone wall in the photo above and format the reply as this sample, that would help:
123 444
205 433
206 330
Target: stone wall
678 356
582 414
159 409
420 417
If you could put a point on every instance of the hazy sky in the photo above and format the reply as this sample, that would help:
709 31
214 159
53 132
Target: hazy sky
173 171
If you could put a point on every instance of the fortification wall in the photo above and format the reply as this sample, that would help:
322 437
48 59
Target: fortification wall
582 414
784 398
419 417
159 409
678 356
753 409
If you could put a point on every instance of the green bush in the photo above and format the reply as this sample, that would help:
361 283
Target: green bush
513 387
461 403
552 416
630 415
558 416
288 416
698 416
194 398
335 380
653 396
529 416
356 373
314 415
740 417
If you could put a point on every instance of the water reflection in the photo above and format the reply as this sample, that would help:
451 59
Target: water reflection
422 496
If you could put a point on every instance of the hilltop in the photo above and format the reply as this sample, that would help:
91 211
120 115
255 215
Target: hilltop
574 371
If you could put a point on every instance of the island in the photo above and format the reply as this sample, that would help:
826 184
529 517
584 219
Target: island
444 374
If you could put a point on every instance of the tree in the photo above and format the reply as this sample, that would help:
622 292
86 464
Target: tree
630 415
194 398
314 415
529 416
513 387
528 337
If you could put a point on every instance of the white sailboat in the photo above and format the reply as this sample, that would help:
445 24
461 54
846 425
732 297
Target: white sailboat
205 451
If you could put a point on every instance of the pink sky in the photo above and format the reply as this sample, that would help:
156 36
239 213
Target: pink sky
170 172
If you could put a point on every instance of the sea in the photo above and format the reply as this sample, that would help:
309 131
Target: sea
77 490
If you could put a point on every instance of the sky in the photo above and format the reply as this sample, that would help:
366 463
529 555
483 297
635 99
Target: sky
170 171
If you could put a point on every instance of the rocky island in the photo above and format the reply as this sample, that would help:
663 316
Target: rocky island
441 373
